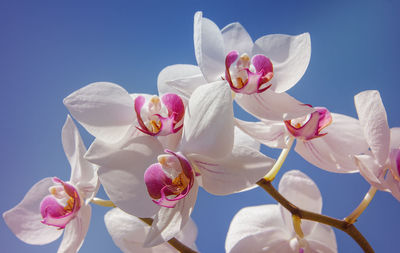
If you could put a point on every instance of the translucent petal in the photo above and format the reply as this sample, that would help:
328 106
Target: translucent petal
24 219
290 56
372 115
106 110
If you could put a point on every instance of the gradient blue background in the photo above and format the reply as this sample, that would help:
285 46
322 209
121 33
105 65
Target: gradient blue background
49 49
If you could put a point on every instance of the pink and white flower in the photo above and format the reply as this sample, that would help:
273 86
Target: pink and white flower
269 228
129 233
381 165
110 113
152 181
327 140
52 205
258 73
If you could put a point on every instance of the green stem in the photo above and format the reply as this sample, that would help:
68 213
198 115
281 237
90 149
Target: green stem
278 164
343 225
149 221
362 206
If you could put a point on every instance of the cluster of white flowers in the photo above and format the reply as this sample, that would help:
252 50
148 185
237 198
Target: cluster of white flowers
151 153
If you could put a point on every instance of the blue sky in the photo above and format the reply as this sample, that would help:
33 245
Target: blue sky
49 49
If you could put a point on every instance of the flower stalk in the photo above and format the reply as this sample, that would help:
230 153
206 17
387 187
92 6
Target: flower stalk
362 206
343 225
297 225
281 159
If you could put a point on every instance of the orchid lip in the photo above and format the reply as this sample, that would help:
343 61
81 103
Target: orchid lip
394 157
159 117
248 76
310 127
61 206
170 180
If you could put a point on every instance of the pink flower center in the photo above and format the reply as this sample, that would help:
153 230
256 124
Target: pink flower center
310 126
248 76
59 208
159 117
169 180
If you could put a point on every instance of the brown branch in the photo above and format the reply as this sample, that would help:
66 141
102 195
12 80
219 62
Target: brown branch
345 226
173 242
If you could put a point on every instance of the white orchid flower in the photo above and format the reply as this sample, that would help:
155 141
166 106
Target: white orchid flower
151 181
258 72
269 228
129 233
381 165
110 113
326 140
52 205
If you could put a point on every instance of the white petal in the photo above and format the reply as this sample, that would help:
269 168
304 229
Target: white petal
334 151
129 232
395 137
372 115
188 234
371 171
234 173
209 48
256 229
24 219
169 221
299 189
83 174
236 38
393 185
181 79
208 123
290 56
125 163
322 239
243 139
75 231
105 109
273 106
171 141
268 132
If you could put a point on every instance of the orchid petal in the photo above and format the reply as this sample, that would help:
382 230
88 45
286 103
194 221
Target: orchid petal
322 239
129 232
105 109
393 186
273 106
174 104
83 174
233 173
209 48
208 122
75 231
290 56
169 221
333 151
236 38
268 132
171 141
371 171
299 189
125 162
372 115
395 137
181 79
256 229
243 139
24 219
